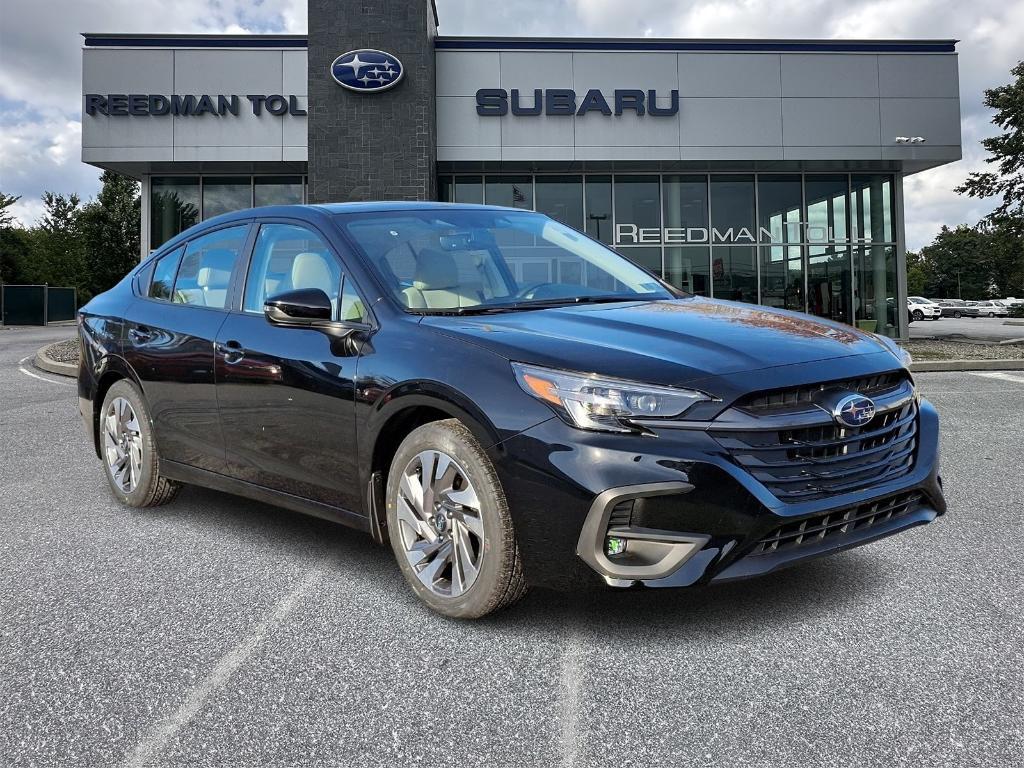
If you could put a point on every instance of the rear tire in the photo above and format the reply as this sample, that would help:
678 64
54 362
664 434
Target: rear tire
957 315
130 459
449 524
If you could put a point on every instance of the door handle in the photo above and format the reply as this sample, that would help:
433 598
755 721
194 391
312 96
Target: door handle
232 351
140 334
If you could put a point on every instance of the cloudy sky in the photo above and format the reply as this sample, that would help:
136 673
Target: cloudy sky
40 64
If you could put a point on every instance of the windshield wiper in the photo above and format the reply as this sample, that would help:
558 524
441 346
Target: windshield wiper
525 306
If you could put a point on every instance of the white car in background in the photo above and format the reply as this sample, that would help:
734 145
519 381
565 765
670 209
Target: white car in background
922 308
991 309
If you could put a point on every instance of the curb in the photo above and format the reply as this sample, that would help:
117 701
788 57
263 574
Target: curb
1013 322
933 366
53 366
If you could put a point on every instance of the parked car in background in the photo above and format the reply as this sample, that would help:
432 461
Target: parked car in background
922 308
957 308
991 309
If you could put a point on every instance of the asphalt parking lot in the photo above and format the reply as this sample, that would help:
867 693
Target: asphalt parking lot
217 631
980 328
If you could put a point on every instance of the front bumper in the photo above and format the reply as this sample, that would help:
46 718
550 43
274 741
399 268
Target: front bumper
695 516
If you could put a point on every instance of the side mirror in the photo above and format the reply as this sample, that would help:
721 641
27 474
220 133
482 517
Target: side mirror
305 307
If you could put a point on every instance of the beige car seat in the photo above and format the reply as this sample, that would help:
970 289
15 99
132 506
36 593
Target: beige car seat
435 284
213 286
311 270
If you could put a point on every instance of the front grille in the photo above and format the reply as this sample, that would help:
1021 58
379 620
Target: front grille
824 460
786 399
837 524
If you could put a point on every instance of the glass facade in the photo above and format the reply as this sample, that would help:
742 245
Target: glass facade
178 202
818 243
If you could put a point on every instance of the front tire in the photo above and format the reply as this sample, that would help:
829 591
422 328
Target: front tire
130 460
449 524
918 314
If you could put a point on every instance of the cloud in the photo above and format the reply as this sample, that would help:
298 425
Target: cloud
40 62
41 76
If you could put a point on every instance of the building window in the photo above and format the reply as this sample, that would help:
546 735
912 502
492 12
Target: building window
646 256
780 203
871 208
509 191
598 208
637 205
689 268
469 189
686 205
277 190
874 299
173 206
445 189
830 282
818 243
782 277
826 207
734 269
561 198
733 257
224 194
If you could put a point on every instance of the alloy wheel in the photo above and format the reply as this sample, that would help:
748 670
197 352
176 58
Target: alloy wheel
440 525
122 444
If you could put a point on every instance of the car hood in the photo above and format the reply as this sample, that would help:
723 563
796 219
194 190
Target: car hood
662 342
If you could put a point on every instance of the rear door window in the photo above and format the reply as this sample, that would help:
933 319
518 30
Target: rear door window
205 274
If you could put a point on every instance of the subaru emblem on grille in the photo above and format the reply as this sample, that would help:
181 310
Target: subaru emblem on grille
854 411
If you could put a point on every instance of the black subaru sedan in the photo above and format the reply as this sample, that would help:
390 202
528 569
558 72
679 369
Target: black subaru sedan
502 399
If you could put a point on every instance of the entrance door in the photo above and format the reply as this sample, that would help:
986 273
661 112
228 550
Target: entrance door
829 287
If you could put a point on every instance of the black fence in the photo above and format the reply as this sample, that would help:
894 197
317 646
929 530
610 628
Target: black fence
37 304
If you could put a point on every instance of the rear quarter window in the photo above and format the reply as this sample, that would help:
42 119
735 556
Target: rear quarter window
165 269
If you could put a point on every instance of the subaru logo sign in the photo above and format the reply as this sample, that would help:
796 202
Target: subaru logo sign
854 411
367 70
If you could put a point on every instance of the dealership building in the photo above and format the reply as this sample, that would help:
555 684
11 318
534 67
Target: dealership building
767 171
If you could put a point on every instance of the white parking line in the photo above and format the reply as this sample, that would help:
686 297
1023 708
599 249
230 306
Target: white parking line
569 699
1016 378
165 730
21 367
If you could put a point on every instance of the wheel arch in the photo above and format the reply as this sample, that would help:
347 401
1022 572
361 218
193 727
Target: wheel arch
112 370
399 413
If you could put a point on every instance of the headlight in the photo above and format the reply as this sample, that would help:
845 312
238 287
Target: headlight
592 402
901 354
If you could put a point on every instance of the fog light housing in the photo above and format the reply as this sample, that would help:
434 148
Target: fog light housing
614 546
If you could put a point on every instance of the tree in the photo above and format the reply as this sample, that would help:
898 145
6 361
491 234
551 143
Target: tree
1007 150
1005 237
57 255
955 264
14 243
110 231
7 219
917 274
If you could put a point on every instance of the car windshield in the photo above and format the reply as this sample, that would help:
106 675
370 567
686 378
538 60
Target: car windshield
470 261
